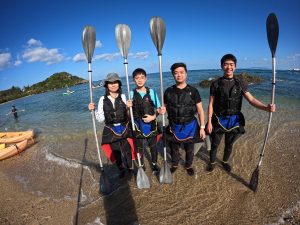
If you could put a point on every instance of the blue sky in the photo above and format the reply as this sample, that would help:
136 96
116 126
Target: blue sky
42 37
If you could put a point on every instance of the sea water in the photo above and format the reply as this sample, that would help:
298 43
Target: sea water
65 145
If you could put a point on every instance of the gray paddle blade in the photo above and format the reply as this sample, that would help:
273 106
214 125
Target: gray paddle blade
272 32
123 37
158 32
89 42
142 179
165 175
105 185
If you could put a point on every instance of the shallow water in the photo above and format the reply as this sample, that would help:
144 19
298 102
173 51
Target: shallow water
63 163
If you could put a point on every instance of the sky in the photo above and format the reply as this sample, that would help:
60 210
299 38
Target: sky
41 37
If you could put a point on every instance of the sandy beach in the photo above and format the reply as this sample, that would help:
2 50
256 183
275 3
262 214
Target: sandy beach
46 196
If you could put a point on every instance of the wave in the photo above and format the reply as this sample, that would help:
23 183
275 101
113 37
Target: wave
60 160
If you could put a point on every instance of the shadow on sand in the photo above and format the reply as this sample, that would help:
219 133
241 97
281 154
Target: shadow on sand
119 205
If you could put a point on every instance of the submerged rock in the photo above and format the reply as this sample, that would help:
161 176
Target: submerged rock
243 76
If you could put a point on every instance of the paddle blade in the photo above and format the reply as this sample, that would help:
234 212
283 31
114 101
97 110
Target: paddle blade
89 42
123 37
254 180
165 175
142 179
158 32
105 185
272 32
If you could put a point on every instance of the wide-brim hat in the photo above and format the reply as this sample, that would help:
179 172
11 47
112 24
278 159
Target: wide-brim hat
112 77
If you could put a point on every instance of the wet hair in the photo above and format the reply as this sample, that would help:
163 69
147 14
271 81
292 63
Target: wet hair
138 71
176 65
228 57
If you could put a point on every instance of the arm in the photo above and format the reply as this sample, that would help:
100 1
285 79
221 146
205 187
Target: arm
128 104
201 119
98 113
258 104
210 111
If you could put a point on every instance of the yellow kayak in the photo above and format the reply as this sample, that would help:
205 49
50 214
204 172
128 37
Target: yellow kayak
12 149
14 137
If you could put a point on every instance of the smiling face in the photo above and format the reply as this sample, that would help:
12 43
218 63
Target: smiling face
228 67
180 75
113 86
140 80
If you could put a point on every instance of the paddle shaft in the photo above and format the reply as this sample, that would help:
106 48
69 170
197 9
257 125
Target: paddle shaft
93 113
130 108
270 114
162 103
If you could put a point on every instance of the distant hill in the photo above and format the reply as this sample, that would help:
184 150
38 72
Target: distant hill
56 81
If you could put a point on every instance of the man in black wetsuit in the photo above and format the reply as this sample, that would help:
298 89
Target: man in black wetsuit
224 110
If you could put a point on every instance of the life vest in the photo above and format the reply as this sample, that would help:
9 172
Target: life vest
117 114
181 108
142 106
228 103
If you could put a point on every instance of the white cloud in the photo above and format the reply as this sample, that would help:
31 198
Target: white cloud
110 56
107 56
98 44
17 63
4 60
294 57
139 55
35 52
79 57
33 42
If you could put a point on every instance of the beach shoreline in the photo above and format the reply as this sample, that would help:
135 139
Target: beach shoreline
208 198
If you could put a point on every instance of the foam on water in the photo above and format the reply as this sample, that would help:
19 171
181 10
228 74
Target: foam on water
63 161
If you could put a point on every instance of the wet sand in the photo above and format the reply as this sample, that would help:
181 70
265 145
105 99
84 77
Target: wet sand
44 194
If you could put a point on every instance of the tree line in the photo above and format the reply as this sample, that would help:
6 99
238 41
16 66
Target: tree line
55 81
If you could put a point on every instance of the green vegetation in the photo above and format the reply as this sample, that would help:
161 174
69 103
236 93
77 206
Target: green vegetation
56 81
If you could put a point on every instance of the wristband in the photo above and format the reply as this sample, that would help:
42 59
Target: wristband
202 126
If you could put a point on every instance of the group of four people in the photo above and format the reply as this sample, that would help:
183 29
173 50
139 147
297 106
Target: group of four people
182 103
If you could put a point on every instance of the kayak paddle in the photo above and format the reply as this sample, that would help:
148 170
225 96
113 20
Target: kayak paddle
123 37
272 33
89 42
158 33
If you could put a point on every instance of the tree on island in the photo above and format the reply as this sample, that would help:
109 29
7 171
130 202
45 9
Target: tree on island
56 81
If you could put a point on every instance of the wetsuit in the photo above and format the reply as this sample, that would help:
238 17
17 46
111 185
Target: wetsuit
183 126
14 112
146 133
227 118
115 132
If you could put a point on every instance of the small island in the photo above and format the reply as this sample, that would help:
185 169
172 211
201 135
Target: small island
243 76
56 81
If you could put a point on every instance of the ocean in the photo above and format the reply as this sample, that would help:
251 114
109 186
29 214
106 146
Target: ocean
65 147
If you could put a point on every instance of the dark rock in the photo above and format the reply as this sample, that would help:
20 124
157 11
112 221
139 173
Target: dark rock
243 76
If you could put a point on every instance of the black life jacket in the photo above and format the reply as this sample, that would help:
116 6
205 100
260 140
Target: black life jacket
181 108
228 103
114 115
142 106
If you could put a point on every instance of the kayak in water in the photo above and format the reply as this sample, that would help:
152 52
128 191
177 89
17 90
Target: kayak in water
68 92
